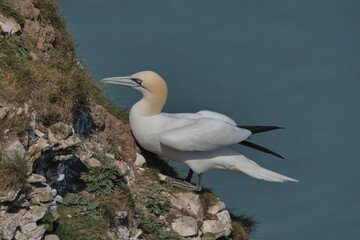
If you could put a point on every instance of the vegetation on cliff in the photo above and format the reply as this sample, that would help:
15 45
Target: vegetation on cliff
68 163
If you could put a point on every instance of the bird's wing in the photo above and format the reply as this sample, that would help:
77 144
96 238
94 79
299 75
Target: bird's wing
215 115
203 134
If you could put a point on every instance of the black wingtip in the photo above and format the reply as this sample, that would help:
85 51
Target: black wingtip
259 129
260 148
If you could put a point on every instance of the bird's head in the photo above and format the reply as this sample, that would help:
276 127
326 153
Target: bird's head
149 83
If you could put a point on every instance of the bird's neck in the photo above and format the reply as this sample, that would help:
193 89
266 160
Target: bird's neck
149 105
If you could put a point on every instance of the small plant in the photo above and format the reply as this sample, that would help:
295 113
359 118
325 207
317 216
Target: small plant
84 207
153 229
48 221
113 150
13 172
104 180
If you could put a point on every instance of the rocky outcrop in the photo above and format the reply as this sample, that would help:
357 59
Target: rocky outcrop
94 167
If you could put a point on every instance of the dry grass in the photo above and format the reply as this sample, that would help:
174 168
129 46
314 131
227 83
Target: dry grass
16 125
13 172
55 86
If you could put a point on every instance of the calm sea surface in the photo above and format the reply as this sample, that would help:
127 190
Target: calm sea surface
291 63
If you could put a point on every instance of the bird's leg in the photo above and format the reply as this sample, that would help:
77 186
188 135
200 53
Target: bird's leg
189 176
185 184
198 185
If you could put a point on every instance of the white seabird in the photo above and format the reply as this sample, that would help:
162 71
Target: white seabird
200 140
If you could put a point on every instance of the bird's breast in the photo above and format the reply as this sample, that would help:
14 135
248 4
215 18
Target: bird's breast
146 131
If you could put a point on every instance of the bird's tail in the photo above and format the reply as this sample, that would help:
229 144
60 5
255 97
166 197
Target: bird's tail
265 174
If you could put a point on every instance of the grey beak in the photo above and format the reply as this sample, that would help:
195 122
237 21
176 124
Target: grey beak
125 81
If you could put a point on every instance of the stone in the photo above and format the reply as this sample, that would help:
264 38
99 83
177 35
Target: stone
34 214
8 226
59 131
3 112
135 233
28 228
9 25
185 226
43 143
70 142
58 198
19 111
109 155
15 149
121 214
217 207
44 194
39 134
34 152
218 228
35 178
51 237
190 202
94 162
122 232
162 177
37 234
11 195
139 161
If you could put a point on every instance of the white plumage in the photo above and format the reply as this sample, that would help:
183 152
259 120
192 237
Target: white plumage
200 140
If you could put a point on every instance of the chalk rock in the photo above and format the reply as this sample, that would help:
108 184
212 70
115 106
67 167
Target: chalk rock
218 228
217 207
185 226
190 202
8 24
28 228
3 112
34 214
35 178
59 131
140 160
44 194
8 226
51 237
15 149
11 195
135 233
94 162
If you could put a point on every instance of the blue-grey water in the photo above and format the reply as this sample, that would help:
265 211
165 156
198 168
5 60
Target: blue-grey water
292 63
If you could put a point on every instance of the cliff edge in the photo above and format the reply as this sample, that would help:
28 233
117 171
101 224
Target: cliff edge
69 165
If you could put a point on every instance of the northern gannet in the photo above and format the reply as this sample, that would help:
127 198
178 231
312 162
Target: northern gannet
200 140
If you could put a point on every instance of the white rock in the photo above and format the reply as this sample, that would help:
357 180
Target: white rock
3 112
58 198
109 155
38 133
43 143
28 228
94 162
217 207
190 202
185 226
35 178
51 237
220 227
8 226
162 177
123 232
6 131
135 233
19 111
9 25
140 160
16 148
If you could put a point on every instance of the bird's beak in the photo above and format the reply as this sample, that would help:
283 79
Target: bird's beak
125 81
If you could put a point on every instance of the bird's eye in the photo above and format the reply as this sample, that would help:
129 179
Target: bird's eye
138 81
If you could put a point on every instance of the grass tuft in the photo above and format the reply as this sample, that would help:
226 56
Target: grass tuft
13 172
